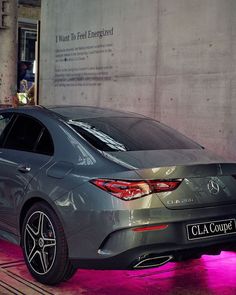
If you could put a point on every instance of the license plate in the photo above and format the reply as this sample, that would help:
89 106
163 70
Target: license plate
211 229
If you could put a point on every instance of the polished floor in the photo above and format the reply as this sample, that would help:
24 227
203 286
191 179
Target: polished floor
210 275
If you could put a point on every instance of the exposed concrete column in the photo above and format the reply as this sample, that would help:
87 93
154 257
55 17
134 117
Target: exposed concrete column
8 50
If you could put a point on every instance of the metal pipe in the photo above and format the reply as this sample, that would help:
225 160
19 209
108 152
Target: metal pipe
153 261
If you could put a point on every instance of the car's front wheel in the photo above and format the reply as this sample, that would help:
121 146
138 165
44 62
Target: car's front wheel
44 245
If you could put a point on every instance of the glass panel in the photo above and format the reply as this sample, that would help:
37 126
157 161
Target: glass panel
4 120
45 144
131 134
24 134
26 76
27 45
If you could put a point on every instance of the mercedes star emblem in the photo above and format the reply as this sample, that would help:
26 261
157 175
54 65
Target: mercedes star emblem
213 187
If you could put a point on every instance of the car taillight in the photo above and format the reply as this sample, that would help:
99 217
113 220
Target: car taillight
129 190
159 186
125 190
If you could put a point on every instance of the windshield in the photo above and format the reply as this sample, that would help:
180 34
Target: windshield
130 134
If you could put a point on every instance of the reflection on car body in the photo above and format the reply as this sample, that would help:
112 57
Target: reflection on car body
96 188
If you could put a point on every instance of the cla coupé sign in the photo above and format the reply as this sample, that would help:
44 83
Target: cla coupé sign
211 228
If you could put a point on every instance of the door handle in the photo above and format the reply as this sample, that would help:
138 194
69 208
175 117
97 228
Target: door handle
24 168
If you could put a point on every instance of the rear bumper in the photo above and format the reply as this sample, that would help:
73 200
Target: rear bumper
125 248
130 258
103 238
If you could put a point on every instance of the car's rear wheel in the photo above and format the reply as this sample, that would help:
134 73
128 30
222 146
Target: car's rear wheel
44 245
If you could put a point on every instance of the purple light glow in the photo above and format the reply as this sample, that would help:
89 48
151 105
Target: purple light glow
213 275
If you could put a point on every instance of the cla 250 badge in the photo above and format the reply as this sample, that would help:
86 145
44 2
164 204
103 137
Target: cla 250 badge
211 229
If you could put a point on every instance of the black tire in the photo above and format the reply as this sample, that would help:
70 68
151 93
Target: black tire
69 272
44 245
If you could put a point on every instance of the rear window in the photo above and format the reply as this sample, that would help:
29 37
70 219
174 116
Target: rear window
130 134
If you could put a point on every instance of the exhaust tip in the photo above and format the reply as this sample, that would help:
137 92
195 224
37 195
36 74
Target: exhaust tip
152 261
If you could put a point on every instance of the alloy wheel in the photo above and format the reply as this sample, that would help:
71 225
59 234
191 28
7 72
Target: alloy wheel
40 242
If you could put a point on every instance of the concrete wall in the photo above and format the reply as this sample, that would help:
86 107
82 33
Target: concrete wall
29 12
173 60
8 53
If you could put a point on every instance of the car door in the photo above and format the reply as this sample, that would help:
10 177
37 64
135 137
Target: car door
25 148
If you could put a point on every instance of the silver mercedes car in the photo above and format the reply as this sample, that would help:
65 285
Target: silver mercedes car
86 187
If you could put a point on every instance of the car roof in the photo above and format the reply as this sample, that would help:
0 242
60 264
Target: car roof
84 112
74 112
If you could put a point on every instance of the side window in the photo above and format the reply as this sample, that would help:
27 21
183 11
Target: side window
45 144
27 134
5 118
23 135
